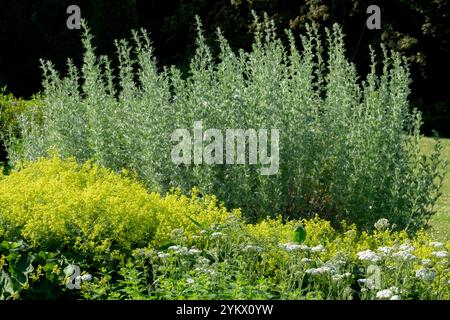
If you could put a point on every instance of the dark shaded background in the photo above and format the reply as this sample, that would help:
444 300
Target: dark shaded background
419 29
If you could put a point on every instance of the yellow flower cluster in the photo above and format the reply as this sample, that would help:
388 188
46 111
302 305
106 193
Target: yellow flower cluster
54 203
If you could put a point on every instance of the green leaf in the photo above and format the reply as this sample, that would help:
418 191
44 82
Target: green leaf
299 234
6 284
198 224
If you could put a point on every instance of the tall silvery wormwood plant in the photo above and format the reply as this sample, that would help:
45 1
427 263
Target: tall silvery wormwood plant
348 149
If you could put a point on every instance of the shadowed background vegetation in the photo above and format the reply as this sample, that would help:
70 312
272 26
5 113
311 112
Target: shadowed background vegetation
30 30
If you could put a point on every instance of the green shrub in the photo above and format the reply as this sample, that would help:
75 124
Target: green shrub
12 109
348 150
54 204
93 212
239 261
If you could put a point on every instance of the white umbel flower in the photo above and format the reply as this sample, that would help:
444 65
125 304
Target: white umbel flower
385 250
368 255
407 247
426 274
426 262
436 244
86 277
217 234
318 248
291 246
404 255
440 254
382 224
384 294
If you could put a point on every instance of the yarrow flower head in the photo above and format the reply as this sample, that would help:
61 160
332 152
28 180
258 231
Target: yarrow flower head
163 255
321 270
440 254
318 248
190 280
385 250
406 247
179 250
252 248
194 251
368 255
404 255
292 246
384 294
217 234
382 224
437 244
426 262
86 277
426 274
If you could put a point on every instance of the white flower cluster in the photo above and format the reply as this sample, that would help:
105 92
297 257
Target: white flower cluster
426 262
440 254
382 224
84 278
391 294
385 250
179 250
368 255
338 277
293 247
318 248
426 274
217 234
252 248
384 294
327 268
321 270
407 247
437 244
404 255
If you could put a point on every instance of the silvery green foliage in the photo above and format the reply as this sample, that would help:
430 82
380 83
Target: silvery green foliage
348 150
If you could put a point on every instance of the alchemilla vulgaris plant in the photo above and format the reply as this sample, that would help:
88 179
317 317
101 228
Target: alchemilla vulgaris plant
348 149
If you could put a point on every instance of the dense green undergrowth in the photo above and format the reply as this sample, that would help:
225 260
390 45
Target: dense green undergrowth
57 216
